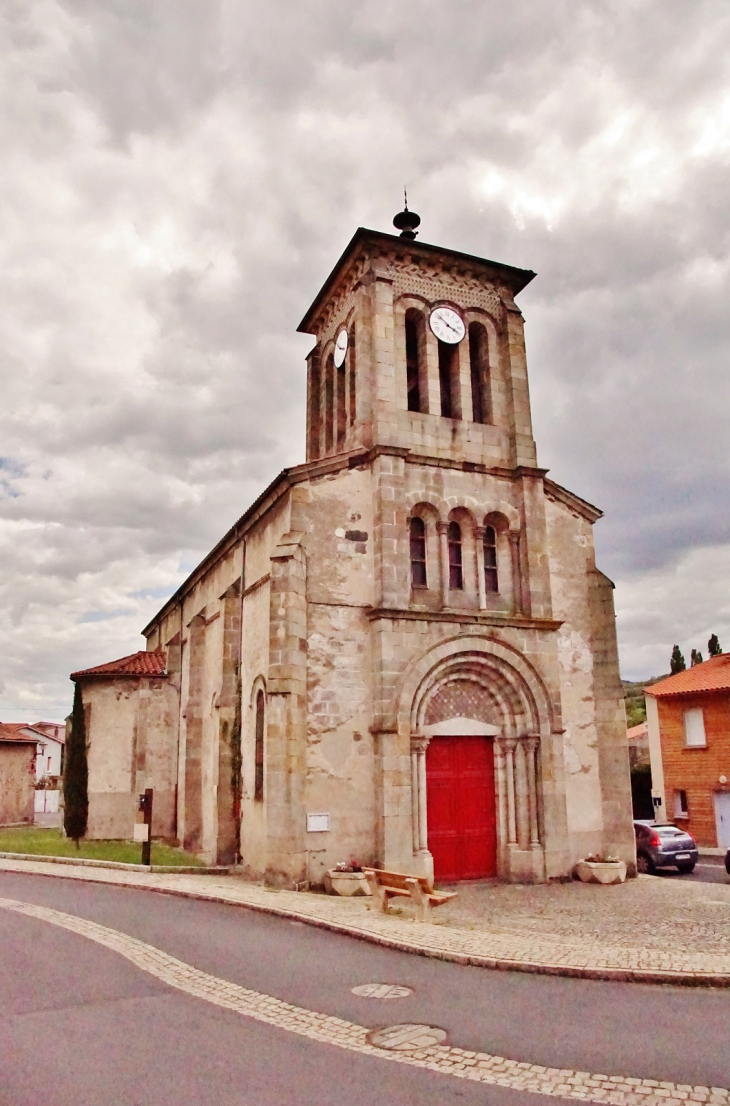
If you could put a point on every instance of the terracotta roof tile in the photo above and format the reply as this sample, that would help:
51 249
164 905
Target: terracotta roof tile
711 675
137 664
12 731
635 733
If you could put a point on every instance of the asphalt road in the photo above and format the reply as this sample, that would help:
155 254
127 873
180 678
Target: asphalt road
710 869
81 1026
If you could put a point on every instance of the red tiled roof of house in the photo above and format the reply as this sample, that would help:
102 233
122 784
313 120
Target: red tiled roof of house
53 730
636 732
137 664
711 675
13 731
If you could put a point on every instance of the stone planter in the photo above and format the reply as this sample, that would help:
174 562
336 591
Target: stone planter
345 883
601 871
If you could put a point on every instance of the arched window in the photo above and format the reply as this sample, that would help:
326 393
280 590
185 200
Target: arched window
258 787
415 362
448 380
314 404
456 572
479 363
329 404
491 580
352 364
341 406
418 553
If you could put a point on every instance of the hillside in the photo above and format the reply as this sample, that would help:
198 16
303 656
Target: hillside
634 699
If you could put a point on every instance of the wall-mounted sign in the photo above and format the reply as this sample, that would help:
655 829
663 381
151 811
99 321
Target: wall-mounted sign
318 823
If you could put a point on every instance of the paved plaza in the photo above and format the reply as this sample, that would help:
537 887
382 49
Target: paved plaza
648 929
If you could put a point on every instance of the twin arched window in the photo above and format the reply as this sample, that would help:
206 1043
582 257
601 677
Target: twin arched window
419 573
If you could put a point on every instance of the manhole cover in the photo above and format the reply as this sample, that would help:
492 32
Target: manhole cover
408 1037
381 990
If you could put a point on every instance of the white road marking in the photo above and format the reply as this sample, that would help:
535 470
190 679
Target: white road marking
481 1067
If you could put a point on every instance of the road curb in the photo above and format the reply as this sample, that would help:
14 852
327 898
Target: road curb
620 975
154 869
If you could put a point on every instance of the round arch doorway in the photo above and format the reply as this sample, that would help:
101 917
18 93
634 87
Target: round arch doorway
461 802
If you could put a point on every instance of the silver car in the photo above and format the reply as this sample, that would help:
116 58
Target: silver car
664 846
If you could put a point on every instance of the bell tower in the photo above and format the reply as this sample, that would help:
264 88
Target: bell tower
421 348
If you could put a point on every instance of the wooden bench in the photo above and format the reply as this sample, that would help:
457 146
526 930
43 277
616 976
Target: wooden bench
387 885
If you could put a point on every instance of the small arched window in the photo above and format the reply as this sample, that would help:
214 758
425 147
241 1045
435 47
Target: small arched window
341 407
414 359
418 553
479 364
456 572
352 363
329 404
258 788
448 380
491 580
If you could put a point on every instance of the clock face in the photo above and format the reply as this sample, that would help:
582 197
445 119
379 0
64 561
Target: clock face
447 325
340 348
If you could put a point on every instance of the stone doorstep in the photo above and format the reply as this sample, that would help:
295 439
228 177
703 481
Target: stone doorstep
676 977
166 869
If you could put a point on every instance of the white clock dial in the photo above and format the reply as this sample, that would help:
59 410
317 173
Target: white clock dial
447 325
340 348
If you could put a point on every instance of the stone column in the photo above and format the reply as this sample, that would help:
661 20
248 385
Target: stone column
514 548
442 528
419 744
481 584
501 786
531 744
522 794
509 751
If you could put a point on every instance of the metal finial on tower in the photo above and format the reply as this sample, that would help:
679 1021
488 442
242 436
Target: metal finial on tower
406 221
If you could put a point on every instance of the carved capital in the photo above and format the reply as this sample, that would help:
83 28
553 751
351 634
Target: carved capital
419 742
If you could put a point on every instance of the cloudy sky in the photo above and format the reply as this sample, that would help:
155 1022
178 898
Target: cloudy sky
178 176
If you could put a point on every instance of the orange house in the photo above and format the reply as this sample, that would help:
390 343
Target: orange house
688 719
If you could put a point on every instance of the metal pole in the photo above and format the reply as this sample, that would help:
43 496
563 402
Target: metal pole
147 845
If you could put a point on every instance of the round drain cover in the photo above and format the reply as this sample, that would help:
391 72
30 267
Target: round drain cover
407 1038
381 990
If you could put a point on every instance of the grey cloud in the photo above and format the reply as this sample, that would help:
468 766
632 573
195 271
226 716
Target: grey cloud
178 181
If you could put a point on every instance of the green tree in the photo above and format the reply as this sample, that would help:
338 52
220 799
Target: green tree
714 649
677 663
76 774
695 658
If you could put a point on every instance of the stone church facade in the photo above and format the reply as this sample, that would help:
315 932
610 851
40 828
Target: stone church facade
403 652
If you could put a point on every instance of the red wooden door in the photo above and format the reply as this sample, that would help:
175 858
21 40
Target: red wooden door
461 807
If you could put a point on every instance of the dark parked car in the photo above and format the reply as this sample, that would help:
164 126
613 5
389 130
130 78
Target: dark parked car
664 846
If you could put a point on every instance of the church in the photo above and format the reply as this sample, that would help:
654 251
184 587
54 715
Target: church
402 653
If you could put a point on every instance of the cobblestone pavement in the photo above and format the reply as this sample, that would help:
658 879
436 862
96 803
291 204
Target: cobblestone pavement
442 1058
646 929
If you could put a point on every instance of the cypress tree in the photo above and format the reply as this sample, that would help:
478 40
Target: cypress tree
677 663
76 774
714 649
695 658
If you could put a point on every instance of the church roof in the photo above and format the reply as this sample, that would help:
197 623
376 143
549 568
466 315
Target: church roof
712 675
515 279
143 663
